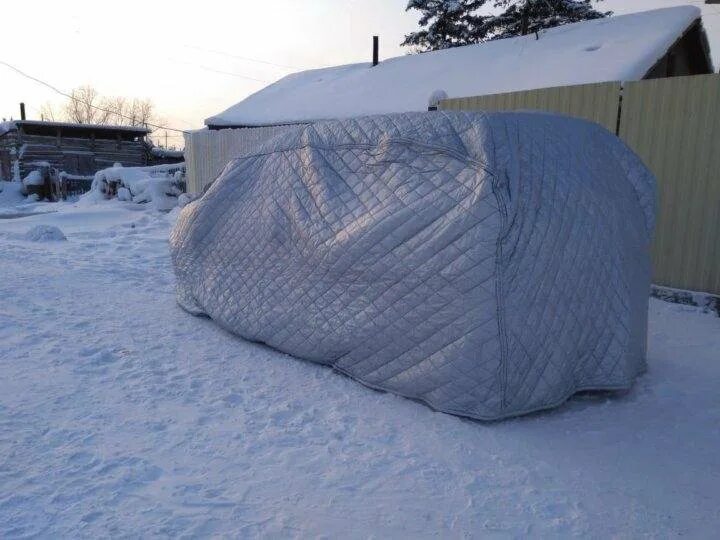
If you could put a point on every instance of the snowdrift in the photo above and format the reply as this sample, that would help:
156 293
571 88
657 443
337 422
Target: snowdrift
486 264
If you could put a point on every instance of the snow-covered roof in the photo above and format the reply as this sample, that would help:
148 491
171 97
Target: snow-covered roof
96 127
12 125
6 126
618 48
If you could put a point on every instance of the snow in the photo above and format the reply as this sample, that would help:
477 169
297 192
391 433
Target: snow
710 16
436 97
45 233
33 178
10 194
68 176
123 416
139 130
166 152
185 199
156 185
708 302
7 126
618 48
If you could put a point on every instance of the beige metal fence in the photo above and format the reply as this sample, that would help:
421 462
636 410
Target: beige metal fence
673 124
596 102
208 151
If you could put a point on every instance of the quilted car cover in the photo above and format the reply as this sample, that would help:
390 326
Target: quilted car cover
486 264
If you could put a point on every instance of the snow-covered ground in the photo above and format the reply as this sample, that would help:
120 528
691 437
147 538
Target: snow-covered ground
122 415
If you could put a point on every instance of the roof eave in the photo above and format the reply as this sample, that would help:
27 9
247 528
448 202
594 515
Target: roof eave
696 24
96 127
216 127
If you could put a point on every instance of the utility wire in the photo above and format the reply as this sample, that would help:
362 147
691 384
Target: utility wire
213 70
69 96
247 59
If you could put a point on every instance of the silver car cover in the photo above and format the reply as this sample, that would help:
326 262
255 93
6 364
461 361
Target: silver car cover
488 265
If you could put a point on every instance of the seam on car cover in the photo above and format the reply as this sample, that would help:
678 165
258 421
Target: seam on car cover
497 187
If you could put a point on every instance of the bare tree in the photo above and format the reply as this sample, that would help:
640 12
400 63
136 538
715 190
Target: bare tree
86 106
141 111
48 111
117 105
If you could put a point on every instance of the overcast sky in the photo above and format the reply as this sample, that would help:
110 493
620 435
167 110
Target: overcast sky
189 56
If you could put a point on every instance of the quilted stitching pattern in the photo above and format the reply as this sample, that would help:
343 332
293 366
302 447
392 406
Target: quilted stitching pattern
487 265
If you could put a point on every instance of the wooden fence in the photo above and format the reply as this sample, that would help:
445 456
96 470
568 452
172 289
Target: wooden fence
673 125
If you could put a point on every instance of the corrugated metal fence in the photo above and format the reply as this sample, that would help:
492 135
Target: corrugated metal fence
208 151
673 124
595 102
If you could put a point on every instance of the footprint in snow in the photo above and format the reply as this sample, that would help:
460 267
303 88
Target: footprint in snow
96 361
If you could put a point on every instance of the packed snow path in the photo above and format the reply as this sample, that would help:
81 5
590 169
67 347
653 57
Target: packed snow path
122 415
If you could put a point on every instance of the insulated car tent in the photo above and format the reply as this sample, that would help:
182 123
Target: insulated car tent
486 264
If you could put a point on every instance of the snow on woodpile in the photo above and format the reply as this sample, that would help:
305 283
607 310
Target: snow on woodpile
617 48
158 186
33 178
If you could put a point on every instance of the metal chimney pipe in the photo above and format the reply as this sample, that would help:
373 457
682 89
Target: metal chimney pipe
22 111
376 50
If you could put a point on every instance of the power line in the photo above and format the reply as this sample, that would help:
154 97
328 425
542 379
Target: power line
206 68
213 70
247 59
87 104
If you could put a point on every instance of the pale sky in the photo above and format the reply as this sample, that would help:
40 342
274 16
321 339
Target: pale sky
183 55
164 50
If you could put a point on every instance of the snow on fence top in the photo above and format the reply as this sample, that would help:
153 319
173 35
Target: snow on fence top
618 48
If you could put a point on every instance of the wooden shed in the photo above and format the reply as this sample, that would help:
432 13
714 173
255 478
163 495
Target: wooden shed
76 149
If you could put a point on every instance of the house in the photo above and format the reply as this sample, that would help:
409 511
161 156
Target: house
75 149
659 43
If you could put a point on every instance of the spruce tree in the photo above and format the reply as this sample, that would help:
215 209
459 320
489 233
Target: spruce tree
444 23
520 17
450 23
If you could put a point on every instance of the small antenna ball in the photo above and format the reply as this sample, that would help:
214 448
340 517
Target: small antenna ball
435 98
